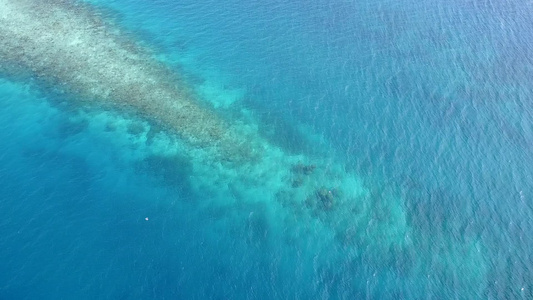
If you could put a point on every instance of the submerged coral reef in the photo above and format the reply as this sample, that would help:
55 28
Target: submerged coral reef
67 46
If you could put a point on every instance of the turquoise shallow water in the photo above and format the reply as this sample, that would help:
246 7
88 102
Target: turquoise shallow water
430 103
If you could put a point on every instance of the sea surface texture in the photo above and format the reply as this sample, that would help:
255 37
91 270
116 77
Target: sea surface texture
185 149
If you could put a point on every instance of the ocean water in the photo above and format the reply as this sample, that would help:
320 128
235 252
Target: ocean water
429 104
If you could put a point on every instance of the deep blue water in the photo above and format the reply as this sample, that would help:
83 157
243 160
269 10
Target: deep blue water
430 102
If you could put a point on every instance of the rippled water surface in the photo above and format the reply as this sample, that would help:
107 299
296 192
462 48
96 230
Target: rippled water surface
429 103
